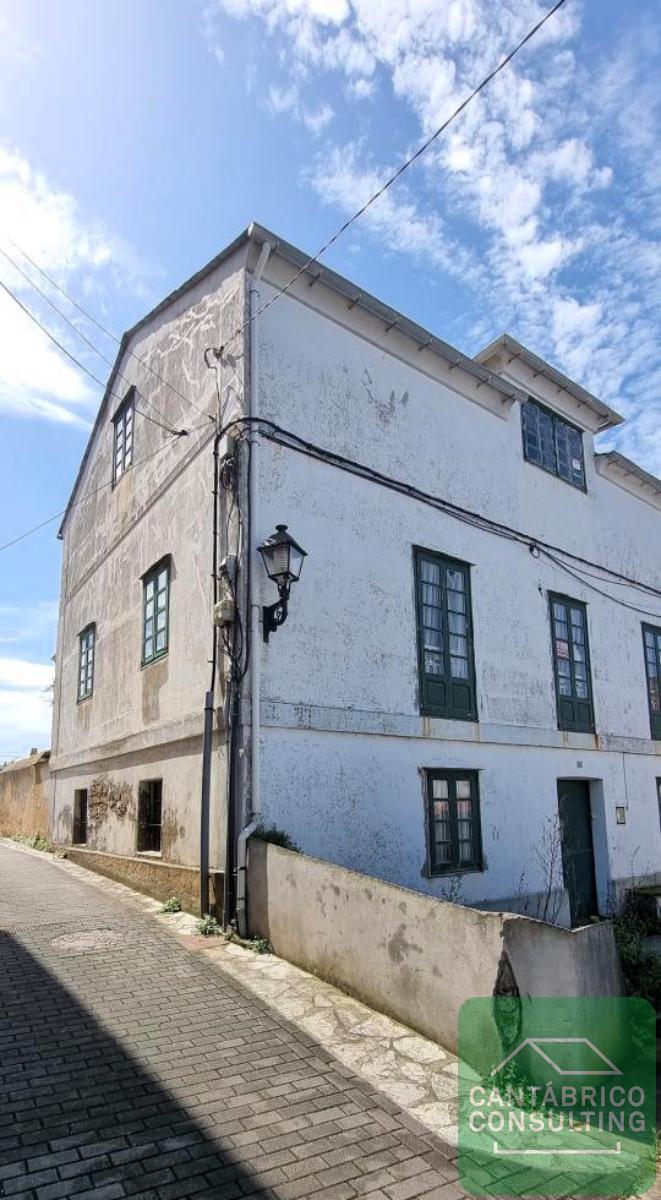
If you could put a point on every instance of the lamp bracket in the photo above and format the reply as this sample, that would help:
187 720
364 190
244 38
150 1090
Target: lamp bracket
274 615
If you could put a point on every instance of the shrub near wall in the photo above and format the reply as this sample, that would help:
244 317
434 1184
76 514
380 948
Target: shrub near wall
24 796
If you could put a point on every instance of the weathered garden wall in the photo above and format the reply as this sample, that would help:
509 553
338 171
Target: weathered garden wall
154 877
412 956
24 789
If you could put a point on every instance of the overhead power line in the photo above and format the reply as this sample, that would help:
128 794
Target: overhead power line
108 332
76 330
81 366
88 495
408 162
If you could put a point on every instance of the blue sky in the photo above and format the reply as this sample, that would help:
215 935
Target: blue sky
139 138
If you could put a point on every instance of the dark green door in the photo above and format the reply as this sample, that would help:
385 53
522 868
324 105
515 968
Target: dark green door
577 850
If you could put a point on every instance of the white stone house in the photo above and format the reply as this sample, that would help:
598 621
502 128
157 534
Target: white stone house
464 697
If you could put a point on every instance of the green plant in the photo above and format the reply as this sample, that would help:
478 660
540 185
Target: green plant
173 905
36 841
208 926
642 970
259 945
277 837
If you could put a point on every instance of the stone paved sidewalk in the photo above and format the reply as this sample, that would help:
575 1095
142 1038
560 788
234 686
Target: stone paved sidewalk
132 1066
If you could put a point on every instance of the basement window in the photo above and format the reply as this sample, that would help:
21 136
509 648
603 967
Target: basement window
155 612
86 662
552 443
123 440
453 822
79 817
150 812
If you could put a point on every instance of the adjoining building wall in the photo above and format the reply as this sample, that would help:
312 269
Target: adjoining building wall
413 957
344 744
24 796
145 722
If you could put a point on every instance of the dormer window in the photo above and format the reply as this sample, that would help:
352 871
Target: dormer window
123 422
552 443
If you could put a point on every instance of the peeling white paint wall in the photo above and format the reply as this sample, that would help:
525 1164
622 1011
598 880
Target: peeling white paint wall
343 741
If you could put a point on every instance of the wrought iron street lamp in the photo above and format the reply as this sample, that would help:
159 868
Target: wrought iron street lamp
283 561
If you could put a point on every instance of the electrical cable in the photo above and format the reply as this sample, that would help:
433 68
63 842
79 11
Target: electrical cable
79 332
396 174
88 495
143 362
81 366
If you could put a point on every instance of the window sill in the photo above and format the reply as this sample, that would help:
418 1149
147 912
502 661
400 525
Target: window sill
448 872
157 658
84 699
439 715
149 853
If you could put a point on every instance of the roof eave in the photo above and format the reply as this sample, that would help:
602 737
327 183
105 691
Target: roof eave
609 417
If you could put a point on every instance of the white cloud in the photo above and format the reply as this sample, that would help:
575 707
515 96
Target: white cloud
17 673
542 198
36 380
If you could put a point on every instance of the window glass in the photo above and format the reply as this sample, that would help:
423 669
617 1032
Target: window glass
552 443
446 653
454 841
156 594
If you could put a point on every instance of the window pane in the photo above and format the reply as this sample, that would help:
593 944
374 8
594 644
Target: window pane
562 648
457 622
458 645
581 690
442 854
456 602
433 663
160 641
559 611
439 789
455 579
576 616
463 789
162 580
459 668
149 647
564 686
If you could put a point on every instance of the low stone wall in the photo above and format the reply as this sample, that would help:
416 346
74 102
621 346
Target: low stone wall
24 796
412 956
154 877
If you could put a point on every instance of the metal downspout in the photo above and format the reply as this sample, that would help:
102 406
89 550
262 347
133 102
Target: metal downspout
254 602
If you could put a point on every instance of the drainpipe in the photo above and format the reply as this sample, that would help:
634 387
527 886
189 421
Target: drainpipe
254 602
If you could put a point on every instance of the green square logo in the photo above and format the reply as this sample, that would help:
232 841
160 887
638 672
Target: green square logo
557 1096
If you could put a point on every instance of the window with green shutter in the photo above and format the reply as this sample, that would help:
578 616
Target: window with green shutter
445 637
155 612
453 823
652 644
552 443
571 657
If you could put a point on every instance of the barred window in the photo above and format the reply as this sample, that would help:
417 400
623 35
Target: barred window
552 443
155 612
571 658
86 662
455 842
445 642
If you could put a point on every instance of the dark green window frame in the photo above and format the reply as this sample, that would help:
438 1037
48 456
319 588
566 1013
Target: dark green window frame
658 799
553 443
571 663
652 652
156 612
454 834
86 655
123 422
446 664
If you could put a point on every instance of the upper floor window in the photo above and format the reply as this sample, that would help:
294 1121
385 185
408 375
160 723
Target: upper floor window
123 422
571 656
86 662
552 443
453 821
445 637
652 643
155 611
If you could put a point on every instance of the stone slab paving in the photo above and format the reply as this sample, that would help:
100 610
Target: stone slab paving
130 1065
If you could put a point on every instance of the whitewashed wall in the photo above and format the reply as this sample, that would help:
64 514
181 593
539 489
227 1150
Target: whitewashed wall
343 742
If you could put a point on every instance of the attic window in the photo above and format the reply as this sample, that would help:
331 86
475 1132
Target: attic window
123 450
552 443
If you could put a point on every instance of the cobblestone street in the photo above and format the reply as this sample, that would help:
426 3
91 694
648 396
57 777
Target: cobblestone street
132 1066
